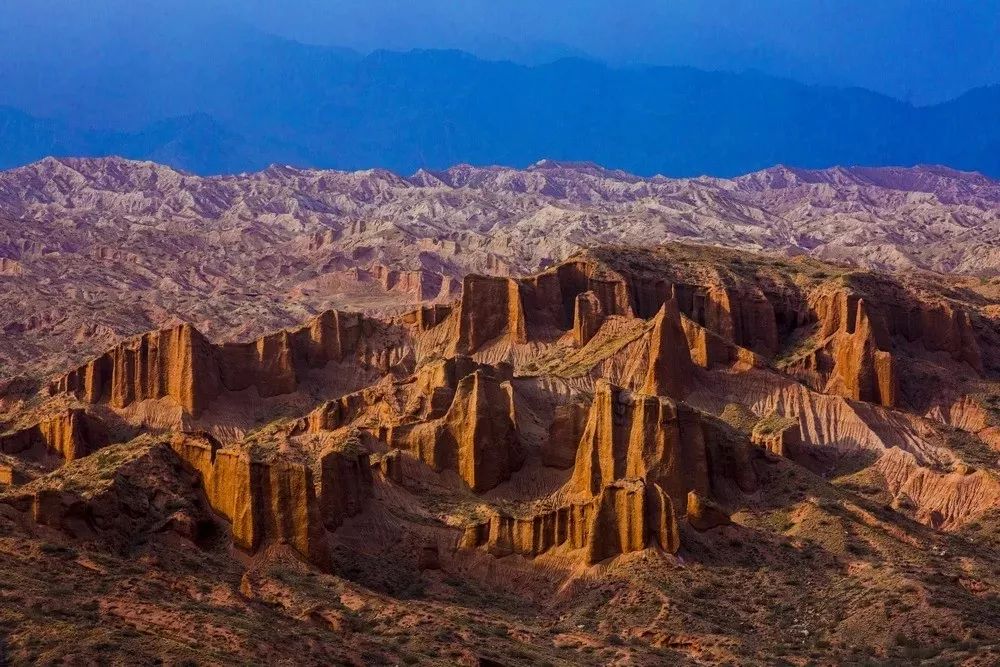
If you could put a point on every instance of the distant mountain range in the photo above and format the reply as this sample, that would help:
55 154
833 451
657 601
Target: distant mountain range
242 104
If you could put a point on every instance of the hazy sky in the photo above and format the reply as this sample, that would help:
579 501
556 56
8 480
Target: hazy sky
924 50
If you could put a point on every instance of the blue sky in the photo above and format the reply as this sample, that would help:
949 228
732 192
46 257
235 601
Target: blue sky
921 50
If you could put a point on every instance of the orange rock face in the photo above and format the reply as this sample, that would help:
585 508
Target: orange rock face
176 362
477 437
277 501
640 436
181 364
855 355
703 514
669 369
490 308
345 485
625 516
588 314
71 435
779 436
559 449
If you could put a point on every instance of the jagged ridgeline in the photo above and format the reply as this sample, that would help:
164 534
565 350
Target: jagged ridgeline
622 401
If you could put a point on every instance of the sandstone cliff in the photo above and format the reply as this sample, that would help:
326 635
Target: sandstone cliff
490 308
268 501
669 370
559 448
177 362
181 364
588 315
627 515
743 316
477 437
71 435
853 358
779 435
631 435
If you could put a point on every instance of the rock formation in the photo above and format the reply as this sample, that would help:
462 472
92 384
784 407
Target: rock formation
71 435
490 308
267 501
703 514
477 437
181 364
559 449
743 317
631 435
112 495
669 370
854 356
937 327
627 515
345 483
177 362
778 435
588 314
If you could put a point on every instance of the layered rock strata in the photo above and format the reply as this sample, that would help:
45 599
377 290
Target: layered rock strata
490 308
853 357
779 435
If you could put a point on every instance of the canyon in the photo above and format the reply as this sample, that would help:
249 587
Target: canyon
524 442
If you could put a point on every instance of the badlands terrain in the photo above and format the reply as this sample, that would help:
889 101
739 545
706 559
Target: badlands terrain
96 250
491 416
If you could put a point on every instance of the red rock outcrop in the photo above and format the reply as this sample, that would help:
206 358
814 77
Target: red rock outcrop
334 414
940 499
72 435
490 308
708 349
588 315
427 317
434 384
390 465
550 299
181 364
853 358
112 496
477 437
277 500
938 327
743 316
669 370
631 435
627 515
559 449
703 514
778 435
345 484
421 285
177 362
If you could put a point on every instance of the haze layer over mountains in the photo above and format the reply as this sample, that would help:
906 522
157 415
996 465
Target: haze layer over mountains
219 98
